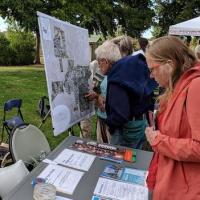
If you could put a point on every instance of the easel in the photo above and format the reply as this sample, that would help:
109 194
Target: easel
70 130
44 119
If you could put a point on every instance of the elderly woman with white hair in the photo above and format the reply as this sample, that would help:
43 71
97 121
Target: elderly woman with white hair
128 90
124 43
99 94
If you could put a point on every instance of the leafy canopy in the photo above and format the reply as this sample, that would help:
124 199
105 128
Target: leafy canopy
169 12
135 16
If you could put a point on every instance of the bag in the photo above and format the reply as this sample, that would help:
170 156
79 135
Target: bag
5 156
43 106
133 134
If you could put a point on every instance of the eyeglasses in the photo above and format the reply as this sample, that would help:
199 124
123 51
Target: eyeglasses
101 60
151 70
156 65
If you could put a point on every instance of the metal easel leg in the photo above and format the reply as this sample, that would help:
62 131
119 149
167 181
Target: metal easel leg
71 131
44 119
81 132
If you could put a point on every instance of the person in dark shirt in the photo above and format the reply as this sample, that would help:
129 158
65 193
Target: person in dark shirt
125 45
128 95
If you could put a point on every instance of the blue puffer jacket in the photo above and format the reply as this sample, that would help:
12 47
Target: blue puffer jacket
129 90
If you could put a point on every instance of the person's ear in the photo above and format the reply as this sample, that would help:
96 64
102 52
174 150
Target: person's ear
170 68
170 65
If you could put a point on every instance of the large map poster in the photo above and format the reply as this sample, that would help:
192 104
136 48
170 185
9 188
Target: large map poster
66 56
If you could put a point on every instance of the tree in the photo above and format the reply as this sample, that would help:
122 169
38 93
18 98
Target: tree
134 16
170 12
16 48
24 12
4 50
22 46
97 16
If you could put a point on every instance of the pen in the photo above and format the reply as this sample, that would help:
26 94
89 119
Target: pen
152 118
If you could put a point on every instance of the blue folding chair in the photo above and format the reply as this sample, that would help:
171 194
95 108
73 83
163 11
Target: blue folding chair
16 120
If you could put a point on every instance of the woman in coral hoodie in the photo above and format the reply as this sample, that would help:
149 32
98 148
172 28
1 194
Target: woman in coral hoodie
174 172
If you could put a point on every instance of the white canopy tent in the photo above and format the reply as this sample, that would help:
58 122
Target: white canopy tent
190 27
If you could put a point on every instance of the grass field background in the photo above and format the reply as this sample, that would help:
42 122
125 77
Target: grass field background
29 84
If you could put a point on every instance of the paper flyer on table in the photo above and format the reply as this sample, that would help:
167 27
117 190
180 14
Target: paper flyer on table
62 198
75 159
125 174
134 176
64 179
119 190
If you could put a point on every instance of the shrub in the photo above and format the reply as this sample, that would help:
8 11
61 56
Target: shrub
22 47
5 50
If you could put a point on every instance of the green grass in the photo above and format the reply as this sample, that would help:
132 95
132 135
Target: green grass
29 84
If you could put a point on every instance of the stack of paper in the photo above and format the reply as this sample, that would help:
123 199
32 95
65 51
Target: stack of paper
120 190
64 179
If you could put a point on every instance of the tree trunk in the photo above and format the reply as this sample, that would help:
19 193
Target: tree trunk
37 55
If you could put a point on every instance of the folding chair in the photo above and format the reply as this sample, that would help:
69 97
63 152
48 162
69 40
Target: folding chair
10 124
29 144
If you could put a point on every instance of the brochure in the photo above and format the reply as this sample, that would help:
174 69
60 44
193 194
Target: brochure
105 150
61 198
125 174
99 198
75 159
64 179
117 190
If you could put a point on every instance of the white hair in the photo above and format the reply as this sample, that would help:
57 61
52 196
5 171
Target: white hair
109 51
